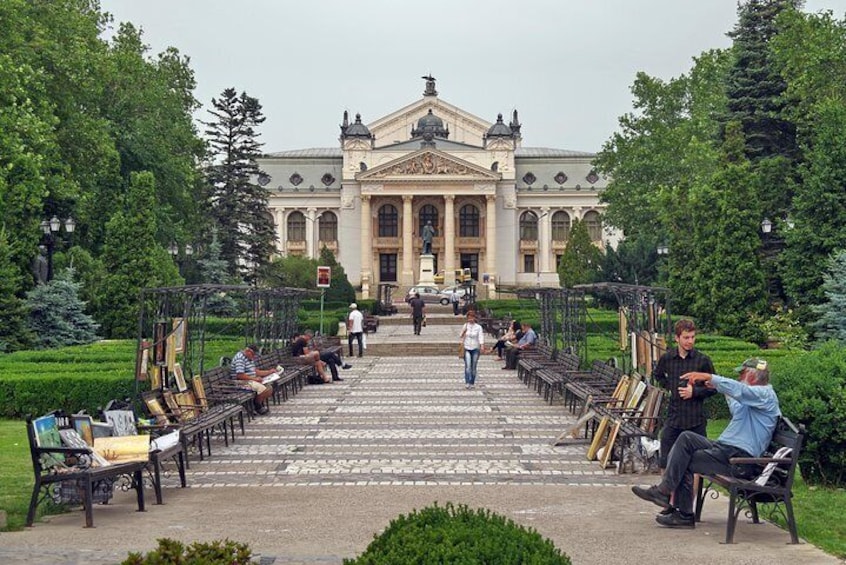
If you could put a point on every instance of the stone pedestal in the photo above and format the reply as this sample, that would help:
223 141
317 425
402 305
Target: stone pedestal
427 270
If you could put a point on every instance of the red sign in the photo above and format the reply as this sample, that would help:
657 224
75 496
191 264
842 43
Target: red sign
324 275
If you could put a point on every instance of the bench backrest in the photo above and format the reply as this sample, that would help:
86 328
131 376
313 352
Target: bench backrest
785 435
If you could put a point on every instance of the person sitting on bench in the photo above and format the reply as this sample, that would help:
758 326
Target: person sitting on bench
528 341
243 369
754 414
300 349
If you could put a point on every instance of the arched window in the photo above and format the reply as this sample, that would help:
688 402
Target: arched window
594 225
296 226
560 226
328 227
468 221
428 213
529 226
388 221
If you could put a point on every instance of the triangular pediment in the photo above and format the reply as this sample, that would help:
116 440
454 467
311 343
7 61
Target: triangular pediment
428 164
463 126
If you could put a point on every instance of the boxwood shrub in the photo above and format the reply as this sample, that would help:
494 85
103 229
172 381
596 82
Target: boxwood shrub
172 552
436 535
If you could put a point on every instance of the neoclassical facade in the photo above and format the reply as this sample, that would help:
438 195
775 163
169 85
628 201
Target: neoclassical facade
500 209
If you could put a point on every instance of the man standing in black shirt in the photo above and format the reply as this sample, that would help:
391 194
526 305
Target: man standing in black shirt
686 410
418 312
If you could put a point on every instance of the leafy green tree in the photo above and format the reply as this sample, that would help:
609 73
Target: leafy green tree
582 260
133 260
238 205
340 290
728 275
57 316
832 312
291 271
13 332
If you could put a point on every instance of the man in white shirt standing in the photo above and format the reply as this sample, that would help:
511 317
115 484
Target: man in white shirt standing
355 329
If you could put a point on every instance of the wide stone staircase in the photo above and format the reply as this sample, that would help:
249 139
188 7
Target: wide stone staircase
395 335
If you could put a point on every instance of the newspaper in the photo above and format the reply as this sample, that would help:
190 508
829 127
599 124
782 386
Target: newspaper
270 378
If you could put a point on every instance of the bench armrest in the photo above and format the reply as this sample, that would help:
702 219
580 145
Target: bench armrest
758 460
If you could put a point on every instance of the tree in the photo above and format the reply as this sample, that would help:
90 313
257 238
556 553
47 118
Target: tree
727 273
56 314
340 290
13 332
581 260
236 203
132 258
832 312
213 271
291 271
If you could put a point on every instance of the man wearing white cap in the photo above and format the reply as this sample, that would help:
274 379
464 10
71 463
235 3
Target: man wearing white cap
355 329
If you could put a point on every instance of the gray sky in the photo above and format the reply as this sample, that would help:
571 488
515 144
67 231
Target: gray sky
565 65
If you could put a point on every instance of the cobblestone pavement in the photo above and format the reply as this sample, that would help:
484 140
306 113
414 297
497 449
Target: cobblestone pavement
314 480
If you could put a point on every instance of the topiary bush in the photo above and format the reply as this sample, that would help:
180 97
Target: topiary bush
171 552
811 390
437 535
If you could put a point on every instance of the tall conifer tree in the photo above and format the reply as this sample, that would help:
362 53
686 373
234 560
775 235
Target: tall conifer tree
237 203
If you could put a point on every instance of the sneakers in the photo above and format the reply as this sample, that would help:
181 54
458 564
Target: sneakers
675 519
262 410
653 495
346 366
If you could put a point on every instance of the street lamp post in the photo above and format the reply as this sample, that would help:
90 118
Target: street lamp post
51 229
177 253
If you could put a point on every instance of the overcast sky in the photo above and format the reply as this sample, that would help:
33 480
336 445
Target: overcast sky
565 65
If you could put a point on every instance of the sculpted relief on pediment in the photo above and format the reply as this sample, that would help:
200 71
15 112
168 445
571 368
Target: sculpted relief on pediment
426 164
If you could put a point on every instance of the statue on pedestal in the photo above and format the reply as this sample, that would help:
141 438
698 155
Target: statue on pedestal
40 266
426 236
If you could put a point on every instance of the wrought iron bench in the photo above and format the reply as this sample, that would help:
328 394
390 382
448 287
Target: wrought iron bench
71 474
760 480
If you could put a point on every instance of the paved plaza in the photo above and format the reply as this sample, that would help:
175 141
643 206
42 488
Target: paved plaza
314 480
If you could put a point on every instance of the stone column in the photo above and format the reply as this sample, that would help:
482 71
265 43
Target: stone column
407 275
490 235
447 262
279 213
310 220
366 246
545 239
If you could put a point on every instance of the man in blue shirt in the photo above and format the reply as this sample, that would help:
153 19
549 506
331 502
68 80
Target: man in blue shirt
528 341
754 414
243 369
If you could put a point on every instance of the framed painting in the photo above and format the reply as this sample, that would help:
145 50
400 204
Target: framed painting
142 361
122 421
46 430
160 337
608 450
155 377
200 392
82 425
180 333
187 404
156 410
170 357
179 376
173 405
598 438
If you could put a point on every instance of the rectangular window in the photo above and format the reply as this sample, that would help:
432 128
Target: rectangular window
558 259
470 261
387 267
528 263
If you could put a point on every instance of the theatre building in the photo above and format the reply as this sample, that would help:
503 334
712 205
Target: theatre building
500 209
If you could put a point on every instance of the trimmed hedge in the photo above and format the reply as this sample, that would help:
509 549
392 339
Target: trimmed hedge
22 396
437 535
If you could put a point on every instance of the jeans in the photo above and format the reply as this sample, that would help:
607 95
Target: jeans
471 361
691 454
333 361
358 336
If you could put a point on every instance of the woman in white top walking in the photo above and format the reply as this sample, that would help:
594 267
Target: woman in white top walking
473 338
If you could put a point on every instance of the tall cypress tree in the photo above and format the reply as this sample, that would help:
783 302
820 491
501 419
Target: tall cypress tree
237 203
582 260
